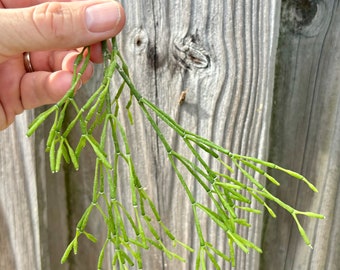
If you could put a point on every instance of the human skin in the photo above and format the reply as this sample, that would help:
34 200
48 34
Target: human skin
53 33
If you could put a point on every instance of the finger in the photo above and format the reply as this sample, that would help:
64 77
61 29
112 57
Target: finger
59 60
40 88
58 25
28 3
96 53
10 104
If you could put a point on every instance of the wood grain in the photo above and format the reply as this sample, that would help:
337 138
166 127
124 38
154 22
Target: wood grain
20 233
222 53
305 137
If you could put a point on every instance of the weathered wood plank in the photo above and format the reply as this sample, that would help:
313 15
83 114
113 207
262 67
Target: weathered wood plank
222 53
20 234
305 135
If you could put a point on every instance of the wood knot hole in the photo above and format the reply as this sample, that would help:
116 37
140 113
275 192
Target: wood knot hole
140 40
305 17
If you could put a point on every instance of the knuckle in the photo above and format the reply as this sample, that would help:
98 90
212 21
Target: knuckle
52 19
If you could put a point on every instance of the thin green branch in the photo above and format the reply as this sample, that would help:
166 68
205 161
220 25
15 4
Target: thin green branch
136 224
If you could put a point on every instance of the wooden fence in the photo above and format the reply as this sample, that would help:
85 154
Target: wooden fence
262 79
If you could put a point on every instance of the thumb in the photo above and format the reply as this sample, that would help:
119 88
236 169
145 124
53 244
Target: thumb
58 25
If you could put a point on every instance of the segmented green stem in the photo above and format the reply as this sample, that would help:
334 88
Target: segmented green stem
129 231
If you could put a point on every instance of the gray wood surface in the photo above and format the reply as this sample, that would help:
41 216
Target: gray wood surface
19 210
221 53
241 93
305 136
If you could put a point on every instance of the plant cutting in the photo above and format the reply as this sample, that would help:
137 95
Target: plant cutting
136 224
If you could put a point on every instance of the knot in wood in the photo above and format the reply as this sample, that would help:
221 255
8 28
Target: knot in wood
305 17
140 40
190 54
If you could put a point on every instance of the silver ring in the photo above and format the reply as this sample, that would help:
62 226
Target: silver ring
27 62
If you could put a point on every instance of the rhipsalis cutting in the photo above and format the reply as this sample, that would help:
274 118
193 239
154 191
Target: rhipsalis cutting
101 112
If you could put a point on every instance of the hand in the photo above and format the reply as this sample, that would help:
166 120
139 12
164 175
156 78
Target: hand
52 32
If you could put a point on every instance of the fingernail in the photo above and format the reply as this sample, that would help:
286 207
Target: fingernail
102 17
79 85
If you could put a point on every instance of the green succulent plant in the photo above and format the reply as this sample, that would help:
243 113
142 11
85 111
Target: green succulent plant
128 231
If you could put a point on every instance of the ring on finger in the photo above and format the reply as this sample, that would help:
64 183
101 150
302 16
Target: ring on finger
27 62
